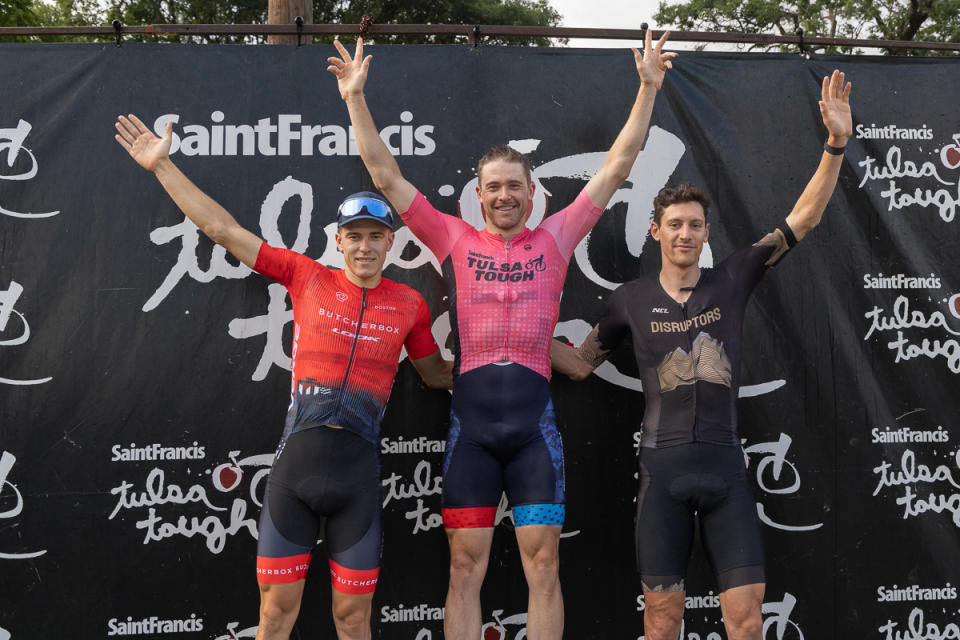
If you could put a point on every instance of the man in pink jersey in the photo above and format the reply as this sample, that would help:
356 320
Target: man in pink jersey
349 329
504 284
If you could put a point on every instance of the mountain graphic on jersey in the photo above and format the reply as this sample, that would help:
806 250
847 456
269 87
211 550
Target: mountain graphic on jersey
706 361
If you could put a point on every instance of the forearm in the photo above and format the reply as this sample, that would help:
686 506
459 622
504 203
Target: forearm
567 360
378 160
808 210
202 210
436 372
623 153
205 212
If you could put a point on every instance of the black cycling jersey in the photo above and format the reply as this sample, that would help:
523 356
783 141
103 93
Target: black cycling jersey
689 353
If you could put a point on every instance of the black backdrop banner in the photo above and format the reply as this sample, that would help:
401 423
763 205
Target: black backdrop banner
144 375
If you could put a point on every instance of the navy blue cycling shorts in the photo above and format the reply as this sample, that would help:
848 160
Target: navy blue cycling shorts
708 481
324 482
503 438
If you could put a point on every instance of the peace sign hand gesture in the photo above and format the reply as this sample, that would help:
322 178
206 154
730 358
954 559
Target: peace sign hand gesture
653 64
351 72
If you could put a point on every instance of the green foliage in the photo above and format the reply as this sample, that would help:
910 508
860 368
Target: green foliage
17 13
922 20
139 12
190 12
467 12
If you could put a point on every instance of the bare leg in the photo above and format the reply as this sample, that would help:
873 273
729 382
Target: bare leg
539 550
469 554
279 606
351 615
663 614
742 611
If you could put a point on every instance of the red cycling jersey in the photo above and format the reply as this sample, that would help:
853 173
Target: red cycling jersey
504 296
346 341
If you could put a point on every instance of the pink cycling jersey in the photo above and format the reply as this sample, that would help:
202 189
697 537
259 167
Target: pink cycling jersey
504 296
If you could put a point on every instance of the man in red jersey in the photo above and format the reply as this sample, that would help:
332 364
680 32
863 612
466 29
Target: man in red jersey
349 329
504 284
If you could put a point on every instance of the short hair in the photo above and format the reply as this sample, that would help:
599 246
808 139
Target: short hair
503 152
683 192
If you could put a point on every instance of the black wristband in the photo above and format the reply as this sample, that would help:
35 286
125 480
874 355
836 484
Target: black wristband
834 151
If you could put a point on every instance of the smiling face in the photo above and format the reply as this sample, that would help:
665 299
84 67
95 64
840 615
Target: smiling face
365 244
681 233
506 196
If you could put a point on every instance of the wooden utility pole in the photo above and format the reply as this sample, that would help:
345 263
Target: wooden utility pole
285 12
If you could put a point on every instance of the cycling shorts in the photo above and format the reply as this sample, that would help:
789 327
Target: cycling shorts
503 438
709 481
322 476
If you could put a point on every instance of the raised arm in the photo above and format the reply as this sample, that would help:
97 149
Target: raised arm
835 109
651 66
436 372
351 75
153 154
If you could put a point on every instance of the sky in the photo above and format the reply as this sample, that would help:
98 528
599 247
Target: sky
612 14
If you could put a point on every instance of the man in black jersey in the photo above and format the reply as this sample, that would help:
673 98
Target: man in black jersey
686 326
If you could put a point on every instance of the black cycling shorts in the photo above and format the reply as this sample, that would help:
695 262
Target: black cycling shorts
503 438
322 474
709 481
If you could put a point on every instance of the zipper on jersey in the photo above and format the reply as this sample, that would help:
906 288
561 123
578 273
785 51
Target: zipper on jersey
353 350
696 426
506 301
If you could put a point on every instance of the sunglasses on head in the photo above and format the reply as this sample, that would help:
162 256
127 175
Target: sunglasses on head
364 208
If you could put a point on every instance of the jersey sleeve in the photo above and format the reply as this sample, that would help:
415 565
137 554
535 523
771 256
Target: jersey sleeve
435 229
569 225
283 266
614 325
748 265
420 342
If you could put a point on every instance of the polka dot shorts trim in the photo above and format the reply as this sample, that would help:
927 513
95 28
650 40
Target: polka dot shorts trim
539 514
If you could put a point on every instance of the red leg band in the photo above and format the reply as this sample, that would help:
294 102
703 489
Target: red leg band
282 570
353 581
469 517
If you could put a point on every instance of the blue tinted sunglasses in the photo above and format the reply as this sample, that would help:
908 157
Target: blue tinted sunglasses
364 207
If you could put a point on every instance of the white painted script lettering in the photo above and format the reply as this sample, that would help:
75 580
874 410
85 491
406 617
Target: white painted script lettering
7 460
906 348
11 142
423 484
919 629
769 471
158 495
895 168
19 329
909 475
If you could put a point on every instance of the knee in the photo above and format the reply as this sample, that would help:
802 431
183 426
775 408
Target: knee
542 568
662 618
351 615
744 621
466 569
277 613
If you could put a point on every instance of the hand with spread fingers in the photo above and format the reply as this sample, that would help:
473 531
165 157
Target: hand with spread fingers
653 64
835 108
351 72
141 143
